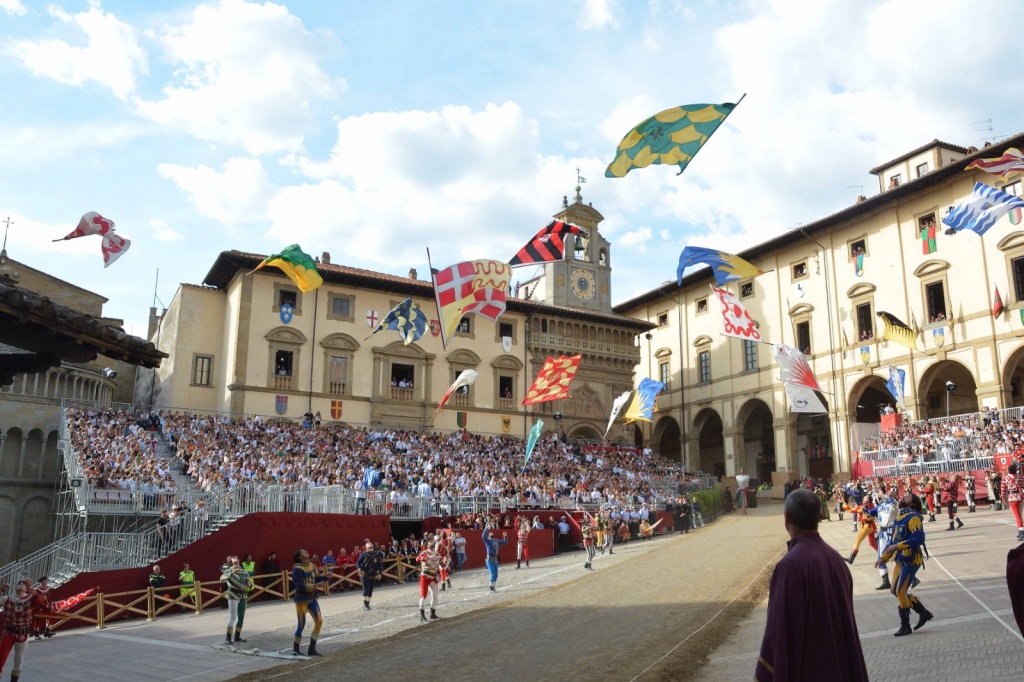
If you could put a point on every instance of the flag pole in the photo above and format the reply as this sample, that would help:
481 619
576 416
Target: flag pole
437 301
742 97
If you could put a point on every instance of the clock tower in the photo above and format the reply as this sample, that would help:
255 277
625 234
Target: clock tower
583 279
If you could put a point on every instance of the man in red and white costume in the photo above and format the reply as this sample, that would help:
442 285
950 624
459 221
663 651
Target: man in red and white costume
429 560
523 548
1012 496
444 566
41 607
17 625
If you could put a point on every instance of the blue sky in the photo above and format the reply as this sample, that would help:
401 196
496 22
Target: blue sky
375 130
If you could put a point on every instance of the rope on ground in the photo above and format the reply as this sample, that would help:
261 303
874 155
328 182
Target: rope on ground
711 620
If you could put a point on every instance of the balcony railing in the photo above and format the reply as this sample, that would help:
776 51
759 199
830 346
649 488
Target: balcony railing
336 387
460 400
281 383
507 404
404 395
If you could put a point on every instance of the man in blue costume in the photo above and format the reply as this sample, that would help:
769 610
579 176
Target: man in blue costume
906 547
304 580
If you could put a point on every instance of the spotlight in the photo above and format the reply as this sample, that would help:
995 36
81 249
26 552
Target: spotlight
109 373
950 386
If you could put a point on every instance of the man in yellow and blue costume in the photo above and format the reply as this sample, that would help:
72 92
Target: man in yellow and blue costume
304 579
907 550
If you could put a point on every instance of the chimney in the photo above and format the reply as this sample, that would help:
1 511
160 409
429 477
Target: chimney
154 322
861 198
325 258
412 273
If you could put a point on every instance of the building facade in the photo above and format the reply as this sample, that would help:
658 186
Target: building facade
233 349
29 415
822 287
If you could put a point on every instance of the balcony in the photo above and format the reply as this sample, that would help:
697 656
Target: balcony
507 405
460 400
281 383
336 388
404 395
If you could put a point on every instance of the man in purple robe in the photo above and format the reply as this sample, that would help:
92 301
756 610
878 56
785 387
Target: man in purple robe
811 633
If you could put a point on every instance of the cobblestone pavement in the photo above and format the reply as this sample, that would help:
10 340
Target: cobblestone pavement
973 636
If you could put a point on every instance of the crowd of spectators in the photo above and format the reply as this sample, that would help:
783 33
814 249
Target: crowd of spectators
218 453
972 436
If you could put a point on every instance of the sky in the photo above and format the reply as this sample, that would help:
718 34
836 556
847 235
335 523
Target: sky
374 130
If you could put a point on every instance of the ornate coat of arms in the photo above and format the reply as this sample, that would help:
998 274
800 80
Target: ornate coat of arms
939 337
281 404
865 354
287 313
506 424
336 409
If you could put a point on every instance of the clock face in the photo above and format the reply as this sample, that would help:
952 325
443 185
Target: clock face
583 284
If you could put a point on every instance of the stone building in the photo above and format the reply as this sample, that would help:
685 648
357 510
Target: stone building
232 350
822 287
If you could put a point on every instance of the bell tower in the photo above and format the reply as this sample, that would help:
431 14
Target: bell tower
583 279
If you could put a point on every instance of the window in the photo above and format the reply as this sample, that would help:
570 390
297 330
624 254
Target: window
896 180
749 355
402 376
865 324
704 364
935 301
702 305
800 270
505 329
340 307
746 290
283 363
926 233
1013 188
922 168
858 247
339 375
506 388
202 365
803 337
662 319
1017 265
464 326
664 373
287 297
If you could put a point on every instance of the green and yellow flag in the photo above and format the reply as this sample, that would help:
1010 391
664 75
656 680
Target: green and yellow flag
672 137
898 331
297 265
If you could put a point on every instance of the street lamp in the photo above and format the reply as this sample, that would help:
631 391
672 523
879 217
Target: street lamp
950 387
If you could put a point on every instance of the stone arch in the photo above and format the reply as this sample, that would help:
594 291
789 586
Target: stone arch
666 438
285 334
10 458
702 340
757 445
932 391
399 348
931 267
32 464
51 457
507 362
8 513
584 432
710 442
340 341
638 435
1013 379
464 356
860 289
866 396
35 526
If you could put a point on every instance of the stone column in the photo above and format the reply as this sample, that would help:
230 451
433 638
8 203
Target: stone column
21 458
732 444
785 445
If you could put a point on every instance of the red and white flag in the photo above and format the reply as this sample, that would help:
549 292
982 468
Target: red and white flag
71 602
735 318
112 245
799 381
466 378
1012 161
476 286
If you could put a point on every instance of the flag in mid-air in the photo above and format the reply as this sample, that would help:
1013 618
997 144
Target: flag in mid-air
798 381
726 266
982 209
641 408
112 245
672 137
736 320
617 406
1012 161
553 380
297 265
71 602
465 378
531 441
476 286
997 304
547 245
896 385
896 330
407 319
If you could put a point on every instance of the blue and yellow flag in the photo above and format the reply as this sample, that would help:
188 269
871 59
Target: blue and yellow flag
532 440
407 319
672 137
642 406
727 267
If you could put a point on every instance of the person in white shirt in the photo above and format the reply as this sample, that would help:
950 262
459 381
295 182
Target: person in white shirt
742 483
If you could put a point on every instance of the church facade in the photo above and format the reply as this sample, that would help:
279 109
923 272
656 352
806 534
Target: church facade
252 343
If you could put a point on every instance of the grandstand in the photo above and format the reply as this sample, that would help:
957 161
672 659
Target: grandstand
138 485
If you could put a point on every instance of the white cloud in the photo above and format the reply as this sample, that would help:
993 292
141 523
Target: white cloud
29 239
635 239
29 145
246 74
236 194
597 14
111 57
163 232
14 8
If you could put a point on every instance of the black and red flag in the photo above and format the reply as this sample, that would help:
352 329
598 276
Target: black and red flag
997 304
548 245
